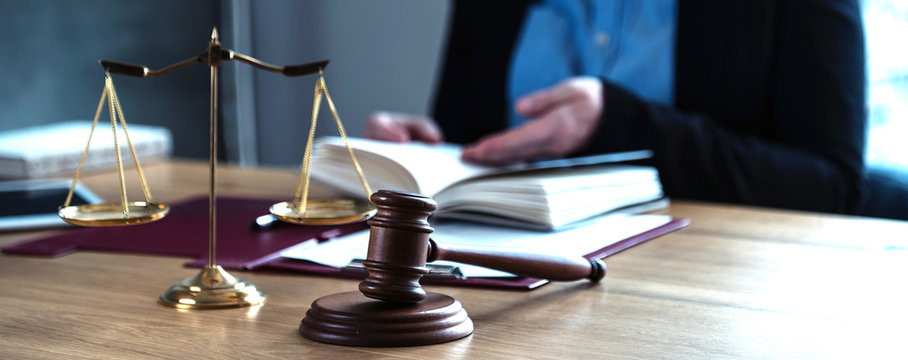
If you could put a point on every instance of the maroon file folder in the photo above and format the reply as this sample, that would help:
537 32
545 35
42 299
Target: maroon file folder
240 245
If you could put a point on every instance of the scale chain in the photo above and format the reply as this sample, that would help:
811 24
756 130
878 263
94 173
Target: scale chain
94 123
343 134
108 83
302 188
132 149
301 197
115 109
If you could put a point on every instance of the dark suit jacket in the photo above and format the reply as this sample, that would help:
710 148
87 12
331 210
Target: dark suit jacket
769 100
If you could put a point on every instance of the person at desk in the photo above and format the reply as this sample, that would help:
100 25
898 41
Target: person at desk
749 102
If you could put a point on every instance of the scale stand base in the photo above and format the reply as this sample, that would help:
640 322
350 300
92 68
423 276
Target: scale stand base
212 288
351 318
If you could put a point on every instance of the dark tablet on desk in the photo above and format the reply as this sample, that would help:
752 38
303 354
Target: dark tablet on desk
28 204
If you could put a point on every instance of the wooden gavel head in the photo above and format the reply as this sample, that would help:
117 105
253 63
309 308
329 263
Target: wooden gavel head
398 246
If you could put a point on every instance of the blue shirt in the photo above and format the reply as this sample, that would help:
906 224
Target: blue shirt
628 42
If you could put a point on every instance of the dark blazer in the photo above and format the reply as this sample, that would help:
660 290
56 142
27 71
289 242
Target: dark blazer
769 100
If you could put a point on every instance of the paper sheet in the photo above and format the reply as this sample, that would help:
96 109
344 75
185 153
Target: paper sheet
577 241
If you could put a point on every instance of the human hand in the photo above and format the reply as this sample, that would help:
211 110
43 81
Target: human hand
397 127
562 120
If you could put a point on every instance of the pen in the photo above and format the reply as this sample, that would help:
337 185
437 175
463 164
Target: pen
265 222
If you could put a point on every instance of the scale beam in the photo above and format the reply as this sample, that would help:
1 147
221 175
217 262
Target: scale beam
119 68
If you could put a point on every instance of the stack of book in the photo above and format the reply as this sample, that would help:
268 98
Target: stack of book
55 149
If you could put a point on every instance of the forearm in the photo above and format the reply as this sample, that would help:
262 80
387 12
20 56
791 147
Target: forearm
700 158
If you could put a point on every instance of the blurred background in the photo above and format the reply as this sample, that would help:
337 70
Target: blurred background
885 28
384 56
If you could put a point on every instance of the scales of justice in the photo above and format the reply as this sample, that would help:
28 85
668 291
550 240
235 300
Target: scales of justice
390 308
212 287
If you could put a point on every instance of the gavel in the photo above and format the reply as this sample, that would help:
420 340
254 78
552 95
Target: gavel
399 247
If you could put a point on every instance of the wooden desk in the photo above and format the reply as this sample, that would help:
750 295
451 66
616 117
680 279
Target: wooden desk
738 283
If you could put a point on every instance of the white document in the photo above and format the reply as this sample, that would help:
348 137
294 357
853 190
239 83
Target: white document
577 241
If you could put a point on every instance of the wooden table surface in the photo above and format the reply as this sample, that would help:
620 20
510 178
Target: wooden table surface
738 283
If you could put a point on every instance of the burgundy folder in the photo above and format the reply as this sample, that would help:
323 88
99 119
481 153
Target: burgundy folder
241 245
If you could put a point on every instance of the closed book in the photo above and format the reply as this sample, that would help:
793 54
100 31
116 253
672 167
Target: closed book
55 149
544 195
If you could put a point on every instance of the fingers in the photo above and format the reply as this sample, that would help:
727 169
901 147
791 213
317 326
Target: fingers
423 129
511 146
539 102
554 135
380 126
396 127
565 118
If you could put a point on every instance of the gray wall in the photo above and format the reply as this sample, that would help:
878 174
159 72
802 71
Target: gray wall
50 69
384 56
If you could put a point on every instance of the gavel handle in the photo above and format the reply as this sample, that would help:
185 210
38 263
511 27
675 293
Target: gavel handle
541 266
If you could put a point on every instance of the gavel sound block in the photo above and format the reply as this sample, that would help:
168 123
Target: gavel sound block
391 308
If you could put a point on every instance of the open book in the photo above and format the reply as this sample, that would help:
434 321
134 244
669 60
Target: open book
544 195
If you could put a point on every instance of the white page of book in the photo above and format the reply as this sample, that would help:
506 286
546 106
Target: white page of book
576 241
434 166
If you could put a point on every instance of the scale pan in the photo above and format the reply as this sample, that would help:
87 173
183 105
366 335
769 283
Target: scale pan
111 214
324 212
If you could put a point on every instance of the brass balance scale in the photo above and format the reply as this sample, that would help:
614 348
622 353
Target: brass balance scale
213 287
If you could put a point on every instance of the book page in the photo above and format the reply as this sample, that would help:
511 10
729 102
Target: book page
554 197
431 166
420 167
